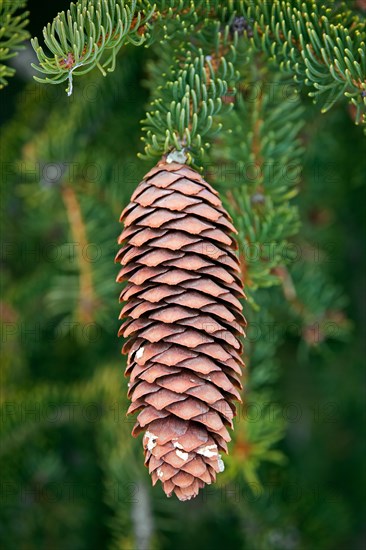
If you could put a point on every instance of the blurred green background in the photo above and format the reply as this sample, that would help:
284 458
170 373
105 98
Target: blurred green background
72 477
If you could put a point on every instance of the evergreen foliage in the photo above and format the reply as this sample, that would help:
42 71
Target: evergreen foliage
228 86
13 20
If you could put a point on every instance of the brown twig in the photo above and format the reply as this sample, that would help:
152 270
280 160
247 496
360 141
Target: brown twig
87 297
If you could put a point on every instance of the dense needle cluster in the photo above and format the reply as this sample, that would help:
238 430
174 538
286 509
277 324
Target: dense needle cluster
183 324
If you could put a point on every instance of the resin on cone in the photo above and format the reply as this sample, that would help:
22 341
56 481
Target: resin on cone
183 325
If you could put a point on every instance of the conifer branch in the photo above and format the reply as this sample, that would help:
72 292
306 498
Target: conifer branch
89 35
267 168
323 47
12 34
87 298
183 111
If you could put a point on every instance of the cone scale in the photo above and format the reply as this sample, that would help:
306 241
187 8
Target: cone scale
183 322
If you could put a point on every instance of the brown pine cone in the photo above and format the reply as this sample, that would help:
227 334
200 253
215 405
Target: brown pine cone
183 324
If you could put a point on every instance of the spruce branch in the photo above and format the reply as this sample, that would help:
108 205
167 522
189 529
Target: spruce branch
92 32
88 35
87 299
254 440
192 20
322 47
12 34
79 297
183 111
266 171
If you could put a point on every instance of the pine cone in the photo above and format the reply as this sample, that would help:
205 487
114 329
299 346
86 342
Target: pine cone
183 322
